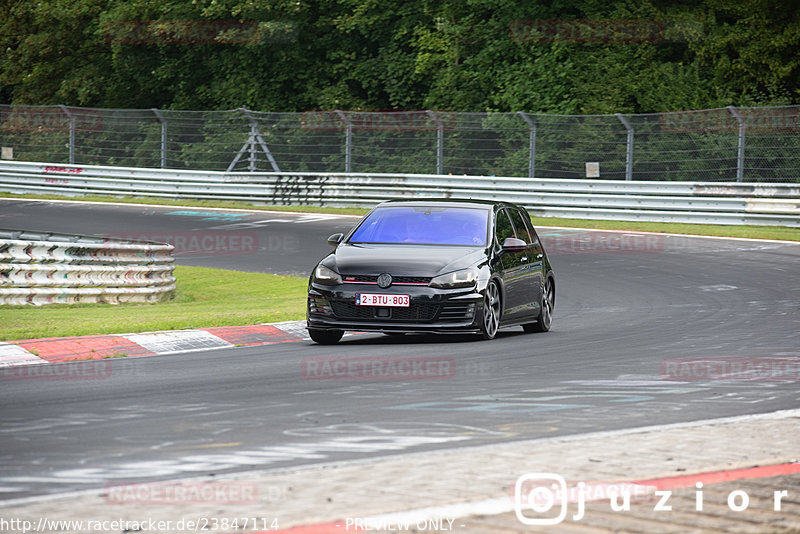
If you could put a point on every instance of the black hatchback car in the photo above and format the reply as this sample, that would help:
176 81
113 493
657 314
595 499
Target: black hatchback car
443 266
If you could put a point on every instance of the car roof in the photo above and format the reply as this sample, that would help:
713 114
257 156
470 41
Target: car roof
463 202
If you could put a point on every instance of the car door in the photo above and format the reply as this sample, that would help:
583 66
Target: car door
515 296
532 263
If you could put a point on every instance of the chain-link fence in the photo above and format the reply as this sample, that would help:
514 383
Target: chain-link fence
727 144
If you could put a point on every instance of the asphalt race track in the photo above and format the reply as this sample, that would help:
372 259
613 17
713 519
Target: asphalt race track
631 309
245 241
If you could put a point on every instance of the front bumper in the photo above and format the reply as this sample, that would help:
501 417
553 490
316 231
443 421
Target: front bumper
431 310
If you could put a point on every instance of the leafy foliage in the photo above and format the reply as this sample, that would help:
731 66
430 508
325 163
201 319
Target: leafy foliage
461 55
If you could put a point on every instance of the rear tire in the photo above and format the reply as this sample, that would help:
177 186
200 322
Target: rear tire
545 318
492 310
325 337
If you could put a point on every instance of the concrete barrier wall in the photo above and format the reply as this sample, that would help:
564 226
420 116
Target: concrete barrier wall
47 268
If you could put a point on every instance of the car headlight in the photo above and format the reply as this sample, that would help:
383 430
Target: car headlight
463 278
326 276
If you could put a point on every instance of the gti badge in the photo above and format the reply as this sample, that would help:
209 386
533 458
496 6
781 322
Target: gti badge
384 280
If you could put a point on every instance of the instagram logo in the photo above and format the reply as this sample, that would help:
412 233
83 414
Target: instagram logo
535 495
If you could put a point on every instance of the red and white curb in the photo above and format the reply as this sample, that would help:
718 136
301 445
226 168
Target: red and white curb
11 355
62 349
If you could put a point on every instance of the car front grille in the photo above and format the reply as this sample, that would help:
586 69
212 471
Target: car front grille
421 312
457 312
319 306
396 280
411 280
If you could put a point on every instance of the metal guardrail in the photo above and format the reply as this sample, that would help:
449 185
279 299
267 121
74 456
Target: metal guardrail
660 201
47 268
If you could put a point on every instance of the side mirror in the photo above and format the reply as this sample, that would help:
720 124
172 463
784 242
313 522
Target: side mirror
514 245
335 239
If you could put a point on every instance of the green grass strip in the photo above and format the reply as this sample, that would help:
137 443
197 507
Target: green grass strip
205 297
153 201
748 231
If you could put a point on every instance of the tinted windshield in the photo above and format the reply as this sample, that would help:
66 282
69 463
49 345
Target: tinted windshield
424 225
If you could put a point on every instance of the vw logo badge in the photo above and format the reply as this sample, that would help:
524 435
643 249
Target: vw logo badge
384 280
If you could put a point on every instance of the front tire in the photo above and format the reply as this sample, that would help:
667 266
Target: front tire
545 318
492 310
325 337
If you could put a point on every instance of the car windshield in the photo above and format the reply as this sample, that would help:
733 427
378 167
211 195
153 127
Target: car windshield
424 225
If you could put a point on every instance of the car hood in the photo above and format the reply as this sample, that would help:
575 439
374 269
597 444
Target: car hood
402 260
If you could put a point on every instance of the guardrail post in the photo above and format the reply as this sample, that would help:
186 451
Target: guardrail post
163 122
628 148
740 149
531 145
71 118
439 142
348 142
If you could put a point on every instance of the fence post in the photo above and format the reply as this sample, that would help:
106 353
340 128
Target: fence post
252 165
348 141
439 142
628 148
71 118
532 144
740 148
163 122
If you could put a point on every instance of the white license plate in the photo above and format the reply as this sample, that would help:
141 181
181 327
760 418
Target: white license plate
377 299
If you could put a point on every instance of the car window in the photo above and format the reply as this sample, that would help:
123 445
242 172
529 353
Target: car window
534 235
519 226
502 227
531 229
424 225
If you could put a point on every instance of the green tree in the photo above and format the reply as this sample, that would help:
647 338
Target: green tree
460 55
50 52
